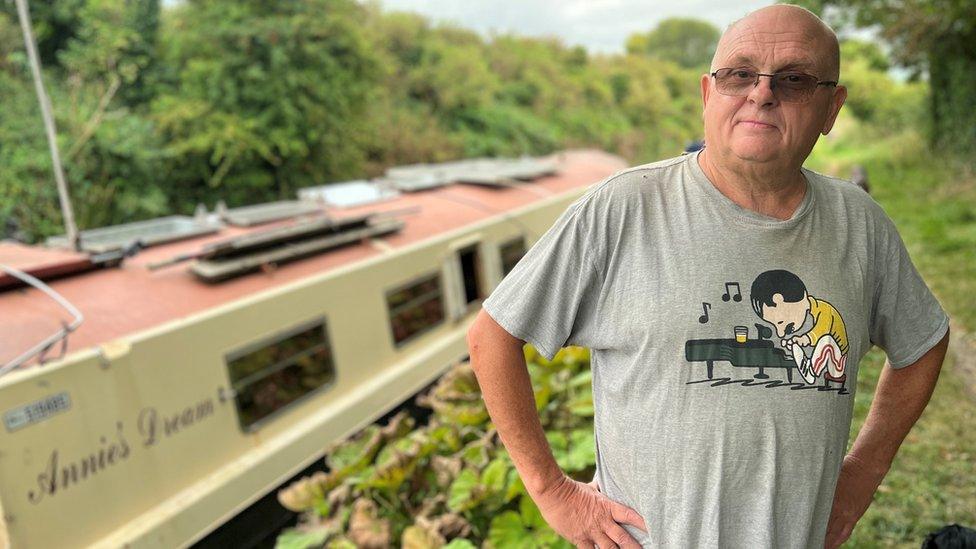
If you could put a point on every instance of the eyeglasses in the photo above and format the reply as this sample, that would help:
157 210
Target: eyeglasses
788 87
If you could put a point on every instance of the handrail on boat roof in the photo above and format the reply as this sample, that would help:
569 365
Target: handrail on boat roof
61 335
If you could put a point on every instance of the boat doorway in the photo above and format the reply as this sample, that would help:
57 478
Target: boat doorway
467 271
470 274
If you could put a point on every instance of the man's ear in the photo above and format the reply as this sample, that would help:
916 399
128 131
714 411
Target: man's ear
705 88
836 102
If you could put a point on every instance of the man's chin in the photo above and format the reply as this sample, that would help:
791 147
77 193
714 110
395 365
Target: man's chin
756 153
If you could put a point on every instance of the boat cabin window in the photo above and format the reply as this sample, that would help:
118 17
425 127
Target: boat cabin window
415 307
469 273
270 375
512 251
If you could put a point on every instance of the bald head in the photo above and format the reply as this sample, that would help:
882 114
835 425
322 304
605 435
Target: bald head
773 24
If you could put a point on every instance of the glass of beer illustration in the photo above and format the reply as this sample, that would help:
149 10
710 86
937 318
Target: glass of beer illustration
741 334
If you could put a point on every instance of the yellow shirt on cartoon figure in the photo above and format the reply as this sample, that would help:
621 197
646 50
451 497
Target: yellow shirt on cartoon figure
826 320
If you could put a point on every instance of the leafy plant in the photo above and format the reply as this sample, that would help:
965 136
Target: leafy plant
448 483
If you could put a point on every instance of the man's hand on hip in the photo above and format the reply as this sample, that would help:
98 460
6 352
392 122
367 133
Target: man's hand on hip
578 512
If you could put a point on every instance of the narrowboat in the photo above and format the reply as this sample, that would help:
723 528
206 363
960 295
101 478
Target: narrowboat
170 373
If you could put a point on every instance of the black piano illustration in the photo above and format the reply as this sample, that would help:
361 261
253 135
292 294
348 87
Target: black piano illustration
755 353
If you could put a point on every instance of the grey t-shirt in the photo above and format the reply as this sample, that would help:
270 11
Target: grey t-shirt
711 432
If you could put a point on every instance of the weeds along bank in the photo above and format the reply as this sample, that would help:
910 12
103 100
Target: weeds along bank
449 482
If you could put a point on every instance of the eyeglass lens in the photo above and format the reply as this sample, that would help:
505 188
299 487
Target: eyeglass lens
786 86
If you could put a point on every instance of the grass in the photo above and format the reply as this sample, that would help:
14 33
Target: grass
932 201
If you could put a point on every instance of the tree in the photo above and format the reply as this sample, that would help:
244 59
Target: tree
110 152
161 105
687 42
54 25
265 97
937 37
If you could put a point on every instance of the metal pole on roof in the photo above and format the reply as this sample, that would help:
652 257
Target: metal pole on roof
66 210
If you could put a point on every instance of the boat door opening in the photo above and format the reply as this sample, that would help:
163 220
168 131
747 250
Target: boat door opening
470 274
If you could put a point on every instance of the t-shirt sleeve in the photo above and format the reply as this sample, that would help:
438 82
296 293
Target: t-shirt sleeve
906 318
550 298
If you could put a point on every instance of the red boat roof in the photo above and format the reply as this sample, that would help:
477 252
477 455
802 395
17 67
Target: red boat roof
131 298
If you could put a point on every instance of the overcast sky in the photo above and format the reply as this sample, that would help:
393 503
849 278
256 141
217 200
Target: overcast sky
599 25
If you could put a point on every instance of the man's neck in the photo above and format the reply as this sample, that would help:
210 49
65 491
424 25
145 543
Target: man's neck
774 192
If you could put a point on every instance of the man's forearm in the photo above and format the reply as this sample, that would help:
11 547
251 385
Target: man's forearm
900 397
499 364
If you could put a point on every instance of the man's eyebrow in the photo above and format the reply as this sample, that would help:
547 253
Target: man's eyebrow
797 64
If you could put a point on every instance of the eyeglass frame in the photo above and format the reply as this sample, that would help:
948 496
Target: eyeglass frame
714 74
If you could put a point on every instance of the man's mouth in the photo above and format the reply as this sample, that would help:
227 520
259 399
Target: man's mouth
789 328
756 124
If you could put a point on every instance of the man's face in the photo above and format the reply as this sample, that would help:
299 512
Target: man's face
770 41
785 316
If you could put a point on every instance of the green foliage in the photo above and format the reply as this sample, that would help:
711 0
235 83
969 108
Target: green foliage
161 108
873 96
953 101
452 77
34 206
450 479
933 36
867 52
259 90
54 23
110 154
688 42
297 539
460 543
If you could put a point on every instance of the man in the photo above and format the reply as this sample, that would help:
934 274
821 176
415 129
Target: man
685 460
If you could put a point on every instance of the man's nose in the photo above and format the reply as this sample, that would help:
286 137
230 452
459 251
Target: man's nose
762 92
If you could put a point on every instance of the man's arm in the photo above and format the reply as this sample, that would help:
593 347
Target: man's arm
576 511
499 364
899 399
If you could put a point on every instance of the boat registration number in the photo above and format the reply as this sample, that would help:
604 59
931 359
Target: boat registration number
36 411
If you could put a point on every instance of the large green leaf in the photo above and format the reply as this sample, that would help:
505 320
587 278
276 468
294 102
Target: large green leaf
495 475
460 543
465 491
297 539
508 532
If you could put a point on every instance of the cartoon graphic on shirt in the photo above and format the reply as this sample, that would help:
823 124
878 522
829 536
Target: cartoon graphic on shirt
810 331
780 298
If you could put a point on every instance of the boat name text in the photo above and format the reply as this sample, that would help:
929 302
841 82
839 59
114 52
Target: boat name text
153 428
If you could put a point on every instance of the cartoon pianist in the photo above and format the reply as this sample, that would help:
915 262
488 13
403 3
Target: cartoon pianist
780 298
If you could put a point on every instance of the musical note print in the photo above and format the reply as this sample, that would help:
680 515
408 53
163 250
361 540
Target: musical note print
704 318
738 293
